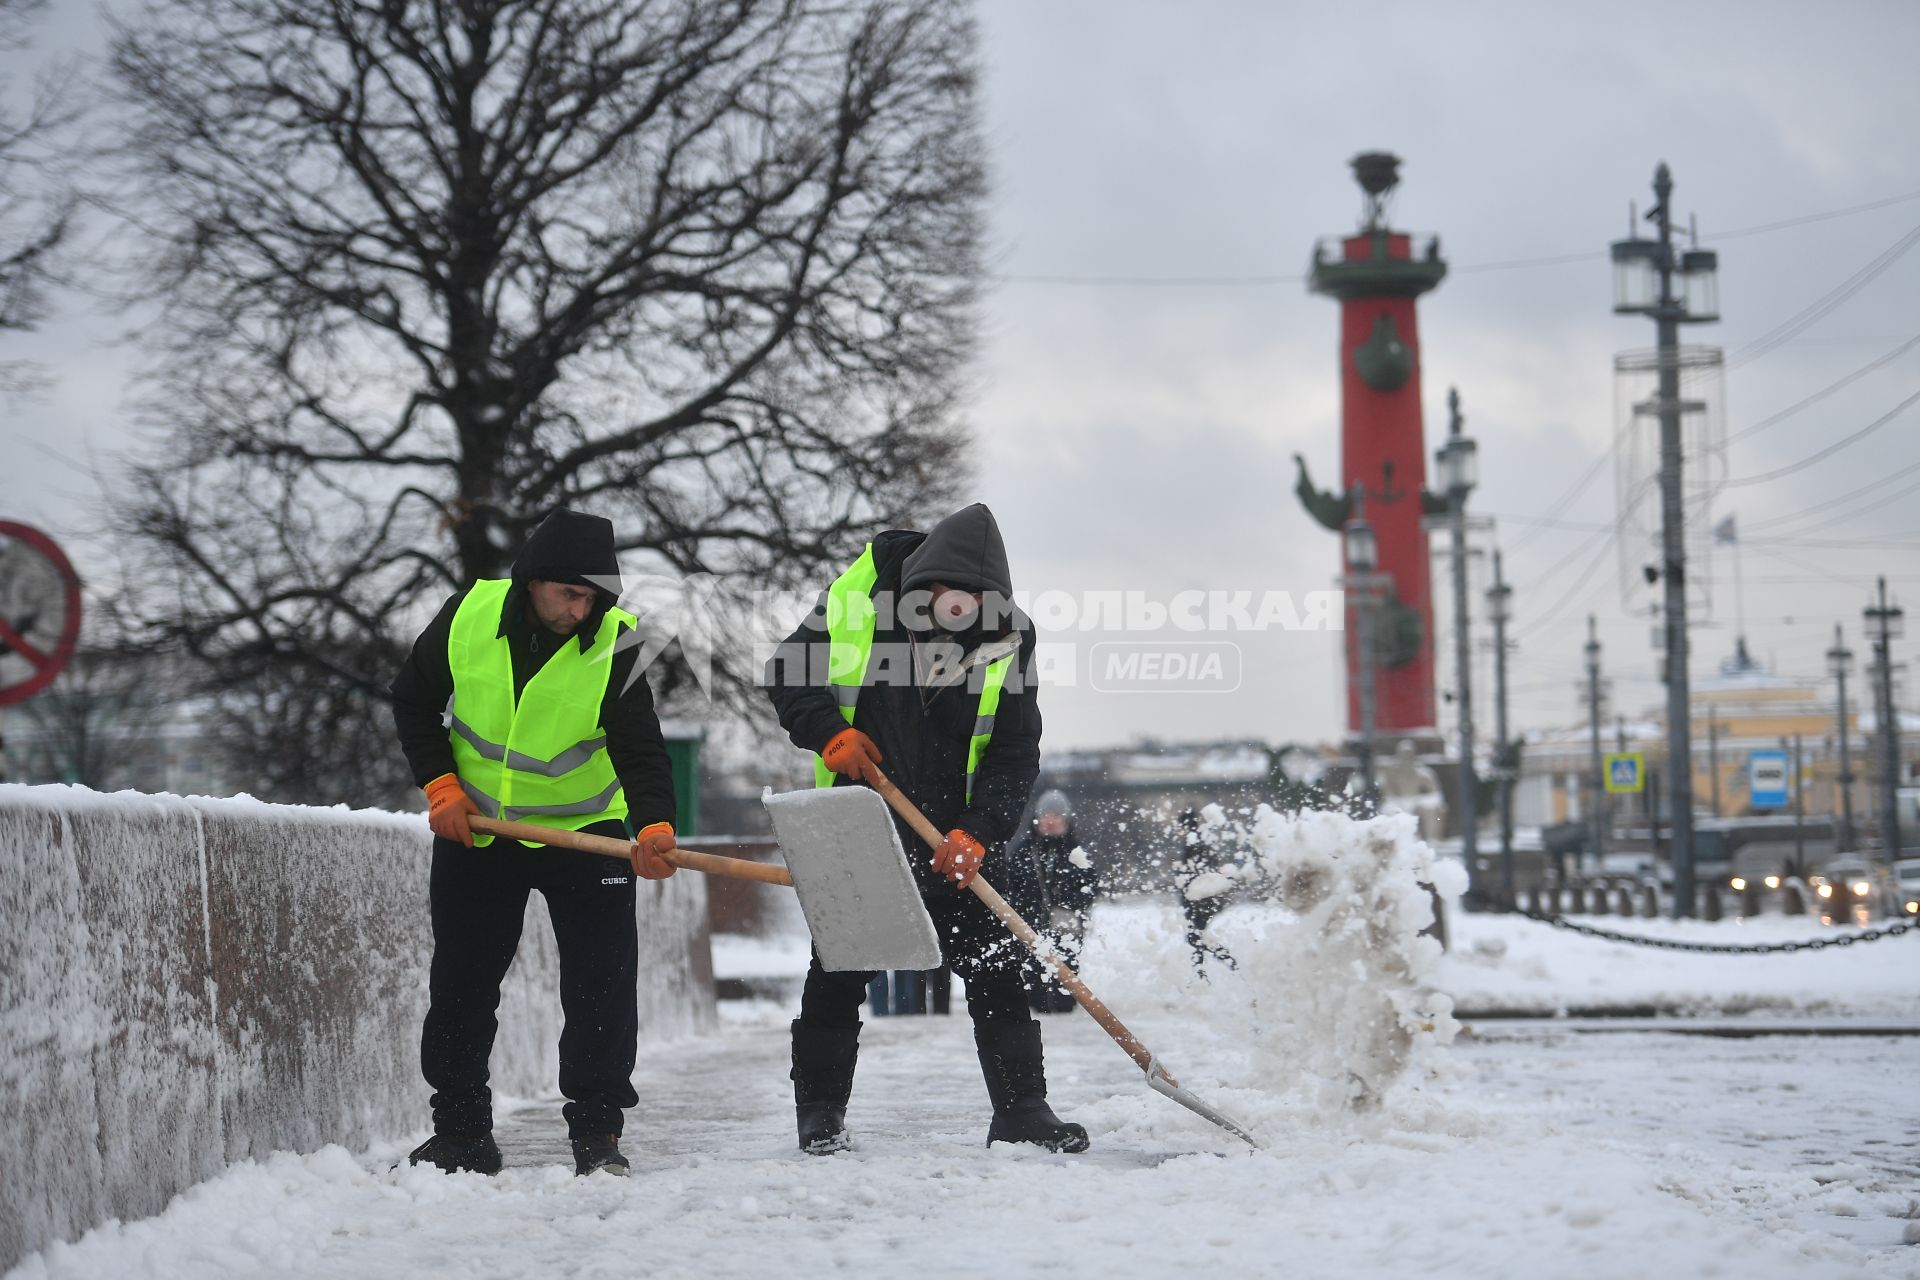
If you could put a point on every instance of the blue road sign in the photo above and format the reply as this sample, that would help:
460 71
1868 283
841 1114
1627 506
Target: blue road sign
1767 779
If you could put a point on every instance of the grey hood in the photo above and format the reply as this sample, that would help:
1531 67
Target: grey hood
964 550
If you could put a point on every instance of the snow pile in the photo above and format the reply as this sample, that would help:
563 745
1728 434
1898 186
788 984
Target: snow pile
1333 988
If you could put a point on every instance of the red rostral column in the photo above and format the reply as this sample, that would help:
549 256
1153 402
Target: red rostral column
1376 278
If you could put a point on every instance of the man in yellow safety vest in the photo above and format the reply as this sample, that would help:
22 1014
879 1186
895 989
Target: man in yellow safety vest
517 703
915 656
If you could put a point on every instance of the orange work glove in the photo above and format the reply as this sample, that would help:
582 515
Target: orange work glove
447 808
959 857
649 849
851 752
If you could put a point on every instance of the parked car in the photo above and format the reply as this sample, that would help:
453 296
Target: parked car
1906 879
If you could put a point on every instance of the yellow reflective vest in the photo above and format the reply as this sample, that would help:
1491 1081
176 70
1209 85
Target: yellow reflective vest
541 758
850 623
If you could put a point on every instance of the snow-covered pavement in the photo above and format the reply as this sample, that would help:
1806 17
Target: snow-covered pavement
1550 1154
1530 1151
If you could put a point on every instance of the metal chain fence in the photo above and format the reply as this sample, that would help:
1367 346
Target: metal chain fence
1726 948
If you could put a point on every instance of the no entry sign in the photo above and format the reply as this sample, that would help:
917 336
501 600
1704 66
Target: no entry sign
39 611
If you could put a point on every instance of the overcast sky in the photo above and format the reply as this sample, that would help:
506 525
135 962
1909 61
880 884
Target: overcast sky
1140 437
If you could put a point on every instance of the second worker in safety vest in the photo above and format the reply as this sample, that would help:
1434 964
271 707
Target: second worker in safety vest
915 660
520 702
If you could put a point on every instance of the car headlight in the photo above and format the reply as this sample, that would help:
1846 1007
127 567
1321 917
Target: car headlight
1773 882
1861 888
1739 883
1913 908
1826 891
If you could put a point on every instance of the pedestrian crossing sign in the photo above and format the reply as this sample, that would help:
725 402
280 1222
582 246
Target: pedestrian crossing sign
1626 771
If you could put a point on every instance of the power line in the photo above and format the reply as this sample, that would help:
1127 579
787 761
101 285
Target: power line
1769 522
1551 260
1826 391
1549 522
1258 280
1824 305
1534 627
1892 542
1579 486
1166 282
1803 219
1587 477
1827 452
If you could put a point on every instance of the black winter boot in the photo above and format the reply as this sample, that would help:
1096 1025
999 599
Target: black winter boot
593 1152
1017 1083
822 1075
458 1153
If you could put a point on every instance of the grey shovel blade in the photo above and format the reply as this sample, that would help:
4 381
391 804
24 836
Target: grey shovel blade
1157 1077
855 887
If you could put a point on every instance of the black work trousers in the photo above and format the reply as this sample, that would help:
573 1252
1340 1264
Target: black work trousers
988 958
479 899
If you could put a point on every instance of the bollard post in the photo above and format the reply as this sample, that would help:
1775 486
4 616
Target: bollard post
1709 900
1649 902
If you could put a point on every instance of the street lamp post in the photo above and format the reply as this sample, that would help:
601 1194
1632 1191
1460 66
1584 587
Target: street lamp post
1499 613
1594 711
1839 661
1885 623
1646 273
1458 459
1365 587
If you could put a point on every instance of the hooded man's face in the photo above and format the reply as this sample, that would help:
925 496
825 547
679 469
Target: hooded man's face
560 606
954 609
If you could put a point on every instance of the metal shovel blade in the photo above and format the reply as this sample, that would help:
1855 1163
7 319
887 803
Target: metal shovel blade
1158 1078
855 887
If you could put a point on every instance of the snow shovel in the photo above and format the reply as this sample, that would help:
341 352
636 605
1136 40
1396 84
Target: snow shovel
855 887
1156 1074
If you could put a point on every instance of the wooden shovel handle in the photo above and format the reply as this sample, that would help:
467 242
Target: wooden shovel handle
712 864
1142 1058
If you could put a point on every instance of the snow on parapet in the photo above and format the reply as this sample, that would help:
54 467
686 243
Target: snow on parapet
72 798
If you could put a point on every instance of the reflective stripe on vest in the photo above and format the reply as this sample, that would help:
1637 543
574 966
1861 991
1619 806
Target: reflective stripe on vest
850 624
540 758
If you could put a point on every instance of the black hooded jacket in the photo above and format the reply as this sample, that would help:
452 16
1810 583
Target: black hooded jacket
922 731
1069 885
567 547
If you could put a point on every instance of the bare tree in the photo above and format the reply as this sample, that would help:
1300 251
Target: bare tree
104 723
430 268
36 204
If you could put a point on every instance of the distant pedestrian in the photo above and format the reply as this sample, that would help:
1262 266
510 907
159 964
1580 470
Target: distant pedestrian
1204 893
1068 883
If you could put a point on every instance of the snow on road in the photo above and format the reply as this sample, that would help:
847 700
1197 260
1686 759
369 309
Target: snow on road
1525 1150
1514 964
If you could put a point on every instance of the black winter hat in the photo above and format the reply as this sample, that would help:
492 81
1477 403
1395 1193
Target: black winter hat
571 547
